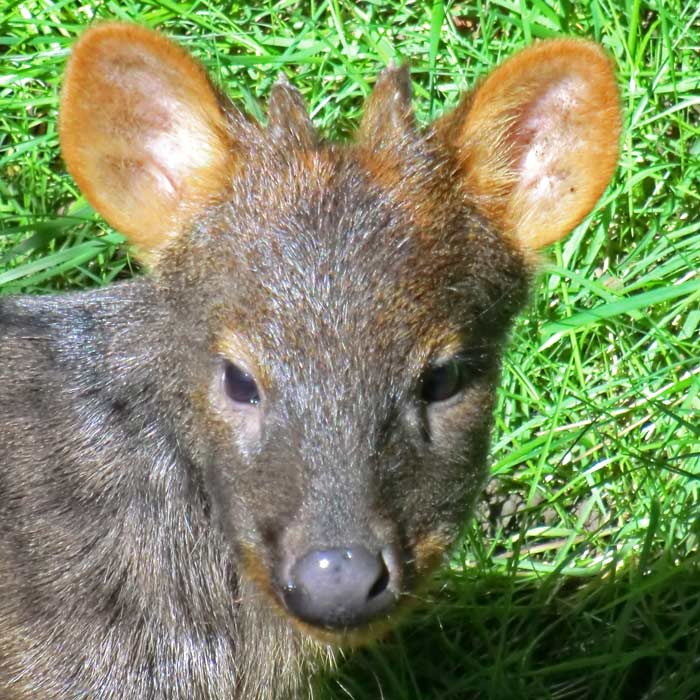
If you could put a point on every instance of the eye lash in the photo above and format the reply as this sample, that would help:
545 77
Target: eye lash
477 359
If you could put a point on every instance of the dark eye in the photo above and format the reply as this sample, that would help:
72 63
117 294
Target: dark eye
443 382
239 385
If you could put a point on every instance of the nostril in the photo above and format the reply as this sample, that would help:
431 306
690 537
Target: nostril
380 585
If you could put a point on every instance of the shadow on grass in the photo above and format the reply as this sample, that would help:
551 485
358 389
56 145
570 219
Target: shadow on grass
628 635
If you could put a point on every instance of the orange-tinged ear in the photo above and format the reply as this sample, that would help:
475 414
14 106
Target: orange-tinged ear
142 132
538 141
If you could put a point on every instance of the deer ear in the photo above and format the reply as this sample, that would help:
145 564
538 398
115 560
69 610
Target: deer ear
538 141
142 132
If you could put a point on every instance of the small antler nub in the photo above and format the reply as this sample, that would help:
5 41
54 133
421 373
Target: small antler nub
288 116
389 111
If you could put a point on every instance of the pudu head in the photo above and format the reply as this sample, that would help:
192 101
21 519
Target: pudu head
339 310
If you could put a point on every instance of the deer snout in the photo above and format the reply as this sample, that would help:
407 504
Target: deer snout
343 587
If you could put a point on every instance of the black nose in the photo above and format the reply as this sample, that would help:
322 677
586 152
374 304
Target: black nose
343 587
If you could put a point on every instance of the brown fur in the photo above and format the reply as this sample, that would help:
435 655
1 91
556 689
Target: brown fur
152 522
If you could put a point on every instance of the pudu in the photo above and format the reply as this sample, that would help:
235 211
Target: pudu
213 474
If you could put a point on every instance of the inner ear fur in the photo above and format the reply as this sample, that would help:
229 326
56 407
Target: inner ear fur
142 132
537 142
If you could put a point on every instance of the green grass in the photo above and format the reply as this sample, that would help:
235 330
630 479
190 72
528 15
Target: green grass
581 576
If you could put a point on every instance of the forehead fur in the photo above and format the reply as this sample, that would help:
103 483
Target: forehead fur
391 188
369 236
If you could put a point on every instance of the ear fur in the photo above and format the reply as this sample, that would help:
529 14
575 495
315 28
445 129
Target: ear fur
142 132
538 141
